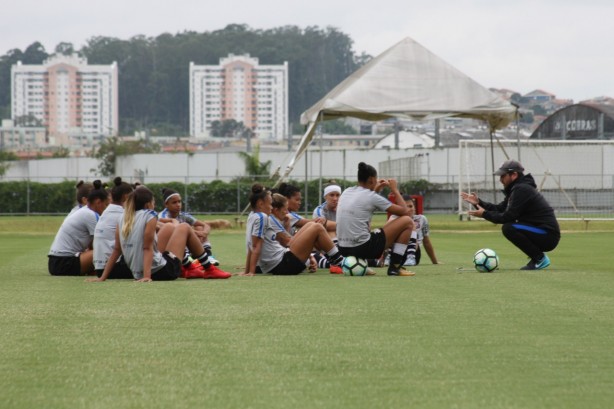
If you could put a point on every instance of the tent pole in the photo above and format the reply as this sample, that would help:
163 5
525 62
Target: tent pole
306 179
492 164
518 132
321 147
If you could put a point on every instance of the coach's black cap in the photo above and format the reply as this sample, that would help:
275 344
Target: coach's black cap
509 166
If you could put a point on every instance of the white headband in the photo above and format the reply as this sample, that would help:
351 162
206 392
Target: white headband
169 196
331 188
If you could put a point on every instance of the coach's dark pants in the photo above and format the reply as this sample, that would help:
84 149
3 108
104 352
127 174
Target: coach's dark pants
532 241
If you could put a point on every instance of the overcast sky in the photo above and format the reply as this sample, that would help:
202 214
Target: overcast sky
560 46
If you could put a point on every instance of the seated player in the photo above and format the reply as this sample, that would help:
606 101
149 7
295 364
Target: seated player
71 251
172 212
265 251
104 235
155 256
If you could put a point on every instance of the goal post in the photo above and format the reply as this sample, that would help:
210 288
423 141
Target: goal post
576 177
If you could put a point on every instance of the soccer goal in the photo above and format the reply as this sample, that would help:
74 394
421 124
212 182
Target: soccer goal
576 177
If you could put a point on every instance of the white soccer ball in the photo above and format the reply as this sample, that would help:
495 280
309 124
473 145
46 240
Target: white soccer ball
354 266
486 260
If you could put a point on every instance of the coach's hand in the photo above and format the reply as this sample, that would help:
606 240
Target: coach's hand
477 213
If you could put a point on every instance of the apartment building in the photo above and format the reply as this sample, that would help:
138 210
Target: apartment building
71 99
240 88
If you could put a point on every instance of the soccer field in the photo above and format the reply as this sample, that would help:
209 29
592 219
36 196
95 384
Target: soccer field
446 338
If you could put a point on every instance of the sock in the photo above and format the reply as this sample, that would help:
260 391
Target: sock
334 256
204 260
186 260
321 260
207 247
398 253
411 247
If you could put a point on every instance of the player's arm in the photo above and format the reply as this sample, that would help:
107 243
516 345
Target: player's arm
283 238
148 251
399 209
108 267
255 255
430 250
200 226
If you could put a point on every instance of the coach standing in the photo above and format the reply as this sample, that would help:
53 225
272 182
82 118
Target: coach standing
527 218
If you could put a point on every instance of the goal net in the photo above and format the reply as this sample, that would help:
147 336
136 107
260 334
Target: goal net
576 177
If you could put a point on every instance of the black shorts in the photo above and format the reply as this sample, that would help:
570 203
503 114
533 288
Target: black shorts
64 266
170 271
289 265
120 271
371 249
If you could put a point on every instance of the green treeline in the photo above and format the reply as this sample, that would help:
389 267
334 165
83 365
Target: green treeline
154 71
21 197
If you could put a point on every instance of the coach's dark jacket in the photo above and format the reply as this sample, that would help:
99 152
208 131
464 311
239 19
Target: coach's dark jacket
522 204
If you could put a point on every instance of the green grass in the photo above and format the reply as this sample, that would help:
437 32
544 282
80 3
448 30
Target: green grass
447 338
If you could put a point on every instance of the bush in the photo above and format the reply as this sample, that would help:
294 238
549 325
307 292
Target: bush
214 197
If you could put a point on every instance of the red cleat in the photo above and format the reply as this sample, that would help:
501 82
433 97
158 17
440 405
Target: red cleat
192 270
214 272
335 269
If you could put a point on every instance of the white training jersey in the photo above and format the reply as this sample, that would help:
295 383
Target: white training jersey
293 218
421 226
132 246
354 213
104 235
75 234
323 211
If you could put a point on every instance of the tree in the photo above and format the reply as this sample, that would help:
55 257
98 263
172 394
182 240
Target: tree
28 120
61 152
113 147
64 48
516 98
253 166
4 158
228 128
337 127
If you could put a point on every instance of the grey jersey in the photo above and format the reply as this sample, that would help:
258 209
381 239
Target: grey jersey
272 250
132 246
260 225
75 234
104 235
323 211
255 227
354 212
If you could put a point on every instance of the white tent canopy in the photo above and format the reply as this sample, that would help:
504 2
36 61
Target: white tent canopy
406 81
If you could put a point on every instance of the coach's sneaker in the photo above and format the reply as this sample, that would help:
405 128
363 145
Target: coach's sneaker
399 271
335 269
214 272
539 265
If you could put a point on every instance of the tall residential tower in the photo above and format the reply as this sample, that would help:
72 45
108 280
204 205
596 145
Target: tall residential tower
67 96
240 88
